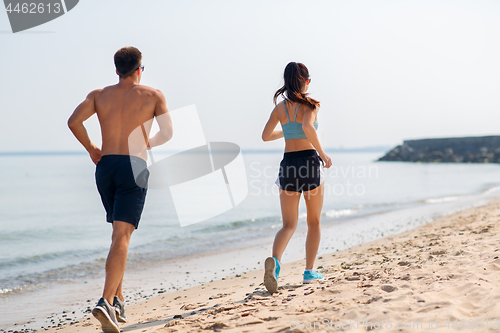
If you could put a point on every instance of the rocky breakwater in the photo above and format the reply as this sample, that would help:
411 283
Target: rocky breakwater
485 149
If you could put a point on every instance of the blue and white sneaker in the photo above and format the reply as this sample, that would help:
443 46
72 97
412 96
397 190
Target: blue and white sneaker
271 273
311 276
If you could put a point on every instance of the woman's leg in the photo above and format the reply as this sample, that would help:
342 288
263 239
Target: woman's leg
314 204
290 212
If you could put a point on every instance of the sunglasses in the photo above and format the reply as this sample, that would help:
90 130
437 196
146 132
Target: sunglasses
141 67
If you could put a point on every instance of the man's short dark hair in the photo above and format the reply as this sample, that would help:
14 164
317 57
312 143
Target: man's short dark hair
127 60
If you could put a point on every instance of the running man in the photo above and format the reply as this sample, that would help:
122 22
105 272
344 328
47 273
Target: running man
121 109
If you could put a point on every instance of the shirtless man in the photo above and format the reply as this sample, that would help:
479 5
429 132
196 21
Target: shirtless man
121 109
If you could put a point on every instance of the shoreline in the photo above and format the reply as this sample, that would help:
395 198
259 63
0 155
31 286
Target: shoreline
439 271
253 275
53 308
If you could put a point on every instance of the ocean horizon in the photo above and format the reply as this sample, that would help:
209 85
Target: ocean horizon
364 149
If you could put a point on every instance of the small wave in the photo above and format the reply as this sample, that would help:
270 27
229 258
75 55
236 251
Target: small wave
11 291
341 212
443 199
492 190
48 257
30 281
234 225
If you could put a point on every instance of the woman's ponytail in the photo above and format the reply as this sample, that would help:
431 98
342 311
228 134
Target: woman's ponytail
295 77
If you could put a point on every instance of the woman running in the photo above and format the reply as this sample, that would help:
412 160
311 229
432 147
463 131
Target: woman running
301 170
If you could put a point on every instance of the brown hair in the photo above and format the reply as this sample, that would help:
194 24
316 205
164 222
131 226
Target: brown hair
127 60
296 75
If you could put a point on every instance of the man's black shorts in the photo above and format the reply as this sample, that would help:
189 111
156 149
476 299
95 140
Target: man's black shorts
122 198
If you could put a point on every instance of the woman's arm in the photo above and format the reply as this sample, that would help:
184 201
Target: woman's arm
312 135
269 134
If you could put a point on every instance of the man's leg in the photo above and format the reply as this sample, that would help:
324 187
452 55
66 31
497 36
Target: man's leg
119 304
117 259
119 291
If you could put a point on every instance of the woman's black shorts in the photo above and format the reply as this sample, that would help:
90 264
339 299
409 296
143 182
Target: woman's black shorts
300 171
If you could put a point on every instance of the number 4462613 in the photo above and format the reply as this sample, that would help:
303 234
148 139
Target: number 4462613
34 8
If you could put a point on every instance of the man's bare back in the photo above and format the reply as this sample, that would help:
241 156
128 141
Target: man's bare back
121 109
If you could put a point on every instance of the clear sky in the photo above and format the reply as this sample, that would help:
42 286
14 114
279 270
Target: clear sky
384 70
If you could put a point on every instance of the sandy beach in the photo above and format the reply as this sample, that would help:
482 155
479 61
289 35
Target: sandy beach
437 277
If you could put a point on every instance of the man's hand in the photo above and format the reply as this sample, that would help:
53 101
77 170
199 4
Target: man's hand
95 154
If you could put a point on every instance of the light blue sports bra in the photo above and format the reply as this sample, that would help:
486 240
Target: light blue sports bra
292 129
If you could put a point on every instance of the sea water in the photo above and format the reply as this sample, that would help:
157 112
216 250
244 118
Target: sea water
53 229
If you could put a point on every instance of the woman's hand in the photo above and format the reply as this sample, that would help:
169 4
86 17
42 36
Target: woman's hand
326 160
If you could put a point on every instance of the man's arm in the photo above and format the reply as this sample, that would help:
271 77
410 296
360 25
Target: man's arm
75 123
164 122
